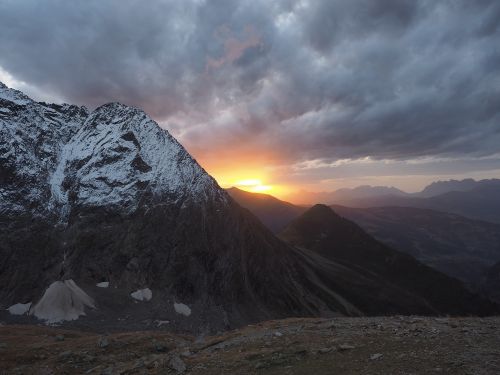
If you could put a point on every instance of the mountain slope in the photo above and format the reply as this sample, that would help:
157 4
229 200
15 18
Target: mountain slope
274 213
459 247
108 196
324 232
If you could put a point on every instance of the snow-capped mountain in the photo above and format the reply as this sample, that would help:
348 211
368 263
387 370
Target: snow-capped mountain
119 156
109 198
113 156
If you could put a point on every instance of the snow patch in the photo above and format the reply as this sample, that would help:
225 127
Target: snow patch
19 308
63 300
182 309
159 323
103 284
142 294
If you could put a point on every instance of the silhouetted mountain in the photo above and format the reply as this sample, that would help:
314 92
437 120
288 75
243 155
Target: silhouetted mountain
480 203
378 196
327 234
274 213
442 187
366 191
348 194
457 246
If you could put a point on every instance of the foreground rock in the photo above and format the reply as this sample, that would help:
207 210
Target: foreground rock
392 345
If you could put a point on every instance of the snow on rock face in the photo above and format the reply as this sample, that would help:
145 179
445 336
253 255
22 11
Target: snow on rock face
120 155
182 309
13 96
19 308
32 136
142 294
104 284
55 157
63 300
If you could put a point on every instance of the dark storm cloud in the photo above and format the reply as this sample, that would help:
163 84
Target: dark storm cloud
389 79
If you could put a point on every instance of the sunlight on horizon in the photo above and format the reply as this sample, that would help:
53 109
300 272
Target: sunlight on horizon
253 185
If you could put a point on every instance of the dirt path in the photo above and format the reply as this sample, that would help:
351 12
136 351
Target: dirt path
386 346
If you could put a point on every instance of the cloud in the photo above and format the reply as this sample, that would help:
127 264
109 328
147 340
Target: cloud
299 80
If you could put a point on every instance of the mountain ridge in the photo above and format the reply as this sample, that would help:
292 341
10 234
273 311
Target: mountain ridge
365 194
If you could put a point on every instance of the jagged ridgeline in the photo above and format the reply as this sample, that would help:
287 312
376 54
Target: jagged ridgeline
112 208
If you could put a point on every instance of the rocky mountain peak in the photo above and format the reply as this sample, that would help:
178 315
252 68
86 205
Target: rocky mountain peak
13 96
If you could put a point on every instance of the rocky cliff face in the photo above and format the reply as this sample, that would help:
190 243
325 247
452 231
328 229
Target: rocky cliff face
108 196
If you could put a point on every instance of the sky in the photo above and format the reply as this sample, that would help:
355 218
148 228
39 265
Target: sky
281 96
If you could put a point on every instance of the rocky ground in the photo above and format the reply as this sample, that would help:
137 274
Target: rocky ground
392 345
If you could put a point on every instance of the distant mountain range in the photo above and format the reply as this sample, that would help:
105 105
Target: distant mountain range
443 187
348 194
458 246
481 203
474 199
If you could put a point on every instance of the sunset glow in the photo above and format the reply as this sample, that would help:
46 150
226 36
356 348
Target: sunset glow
254 185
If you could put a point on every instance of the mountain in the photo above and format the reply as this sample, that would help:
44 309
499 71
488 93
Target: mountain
327 234
366 191
457 246
480 203
346 195
474 199
107 206
274 213
442 187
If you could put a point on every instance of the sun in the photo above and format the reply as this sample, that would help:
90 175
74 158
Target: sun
253 185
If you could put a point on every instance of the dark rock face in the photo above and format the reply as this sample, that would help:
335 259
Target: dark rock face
110 196
321 230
